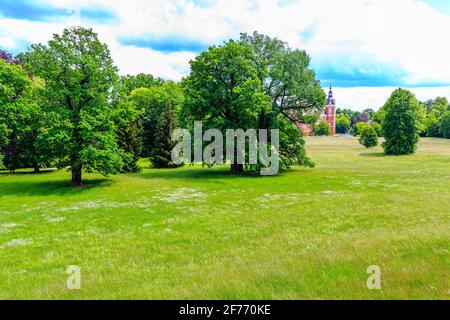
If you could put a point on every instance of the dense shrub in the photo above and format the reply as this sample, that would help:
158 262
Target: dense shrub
444 128
369 137
377 127
343 124
358 128
432 126
400 123
321 129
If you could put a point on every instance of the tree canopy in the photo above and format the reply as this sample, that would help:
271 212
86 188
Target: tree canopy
79 75
224 91
400 123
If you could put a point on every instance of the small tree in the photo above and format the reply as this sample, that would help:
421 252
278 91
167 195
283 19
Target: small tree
322 129
400 123
444 128
369 137
160 155
377 127
358 128
342 124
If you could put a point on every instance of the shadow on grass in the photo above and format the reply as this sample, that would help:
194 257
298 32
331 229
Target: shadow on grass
188 172
6 172
373 154
51 187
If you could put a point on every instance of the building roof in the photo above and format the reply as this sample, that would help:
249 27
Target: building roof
330 99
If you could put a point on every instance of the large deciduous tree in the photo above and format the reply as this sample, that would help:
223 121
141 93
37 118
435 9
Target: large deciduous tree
287 78
141 80
400 124
79 75
224 90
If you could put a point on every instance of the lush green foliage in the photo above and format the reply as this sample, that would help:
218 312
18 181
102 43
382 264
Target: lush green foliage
258 82
321 129
20 116
359 128
151 102
444 128
294 92
377 127
128 128
343 123
435 110
400 123
356 116
432 126
141 80
79 75
369 137
160 155
223 90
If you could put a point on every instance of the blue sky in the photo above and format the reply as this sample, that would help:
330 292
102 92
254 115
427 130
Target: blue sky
363 47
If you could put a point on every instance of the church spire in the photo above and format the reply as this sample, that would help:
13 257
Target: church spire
330 99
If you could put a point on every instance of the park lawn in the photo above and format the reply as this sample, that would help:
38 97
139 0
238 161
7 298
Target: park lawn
199 233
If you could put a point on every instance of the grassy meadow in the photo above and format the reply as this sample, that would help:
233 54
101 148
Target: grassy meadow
199 233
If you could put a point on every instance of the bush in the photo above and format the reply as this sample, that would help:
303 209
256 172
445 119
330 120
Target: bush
358 128
321 129
432 126
342 124
369 137
400 123
377 127
444 128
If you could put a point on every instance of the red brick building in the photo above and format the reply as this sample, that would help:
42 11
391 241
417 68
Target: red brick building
329 114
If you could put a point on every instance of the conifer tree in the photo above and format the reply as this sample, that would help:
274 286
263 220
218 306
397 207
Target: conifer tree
160 155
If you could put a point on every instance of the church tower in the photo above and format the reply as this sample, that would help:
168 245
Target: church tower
330 112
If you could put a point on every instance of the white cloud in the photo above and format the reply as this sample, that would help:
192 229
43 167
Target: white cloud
360 98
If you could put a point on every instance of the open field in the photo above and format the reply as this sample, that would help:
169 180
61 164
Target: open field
198 233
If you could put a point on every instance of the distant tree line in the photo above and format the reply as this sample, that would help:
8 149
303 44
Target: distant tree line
433 117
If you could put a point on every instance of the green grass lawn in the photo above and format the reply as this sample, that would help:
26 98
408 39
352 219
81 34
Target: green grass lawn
198 233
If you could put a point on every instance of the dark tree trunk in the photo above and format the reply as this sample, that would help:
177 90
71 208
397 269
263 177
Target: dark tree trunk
237 168
36 167
76 175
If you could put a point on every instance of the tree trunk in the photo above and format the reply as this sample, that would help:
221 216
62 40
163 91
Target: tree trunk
237 168
76 175
36 167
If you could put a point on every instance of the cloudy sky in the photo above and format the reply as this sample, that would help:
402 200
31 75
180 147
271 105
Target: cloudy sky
364 48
